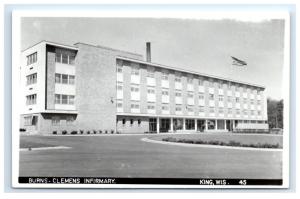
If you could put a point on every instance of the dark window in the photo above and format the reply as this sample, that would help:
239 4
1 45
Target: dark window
65 79
64 99
131 121
124 121
139 122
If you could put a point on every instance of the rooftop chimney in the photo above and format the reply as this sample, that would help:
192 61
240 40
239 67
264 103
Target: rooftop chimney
148 52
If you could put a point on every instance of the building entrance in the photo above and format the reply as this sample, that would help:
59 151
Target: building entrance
164 125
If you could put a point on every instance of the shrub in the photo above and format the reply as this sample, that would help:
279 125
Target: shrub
73 132
112 131
100 131
81 131
146 132
106 131
88 132
54 132
22 130
95 132
118 132
64 132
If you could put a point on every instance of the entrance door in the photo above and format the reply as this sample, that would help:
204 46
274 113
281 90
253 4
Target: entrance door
164 125
34 121
152 124
228 125
201 125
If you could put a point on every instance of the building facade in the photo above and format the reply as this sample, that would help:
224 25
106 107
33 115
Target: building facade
95 88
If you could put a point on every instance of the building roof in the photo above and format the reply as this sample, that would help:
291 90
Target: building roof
54 44
188 71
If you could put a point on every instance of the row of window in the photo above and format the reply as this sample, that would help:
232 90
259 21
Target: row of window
151 90
65 57
31 79
64 99
64 79
31 99
56 120
165 107
32 58
178 79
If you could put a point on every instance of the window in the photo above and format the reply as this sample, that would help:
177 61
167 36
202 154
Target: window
190 81
135 105
258 102
252 101
70 120
201 96
177 79
201 109
71 99
245 100
164 76
236 88
165 107
178 94
57 78
64 99
201 83
131 122
119 86
178 108
135 71
64 56
220 85
190 95
258 112
151 90
221 110
135 88
190 109
245 112
238 111
165 92
237 100
32 58
228 98
211 109
211 97
64 79
150 74
123 121
119 69
119 104
139 122
31 79
31 99
55 121
229 111
211 84
71 79
190 124
150 107
252 112
221 98
28 120
57 99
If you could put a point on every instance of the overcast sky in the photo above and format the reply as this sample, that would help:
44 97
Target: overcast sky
204 46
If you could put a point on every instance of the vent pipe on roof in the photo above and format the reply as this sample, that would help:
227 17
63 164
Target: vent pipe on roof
148 51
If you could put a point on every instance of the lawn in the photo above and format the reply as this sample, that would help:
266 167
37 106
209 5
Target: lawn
128 156
37 142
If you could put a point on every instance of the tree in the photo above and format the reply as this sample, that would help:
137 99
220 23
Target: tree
275 113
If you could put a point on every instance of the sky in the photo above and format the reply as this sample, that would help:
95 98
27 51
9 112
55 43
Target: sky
200 45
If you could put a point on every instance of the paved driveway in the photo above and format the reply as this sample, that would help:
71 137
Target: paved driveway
128 156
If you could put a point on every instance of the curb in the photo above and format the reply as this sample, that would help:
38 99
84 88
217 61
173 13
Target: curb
44 148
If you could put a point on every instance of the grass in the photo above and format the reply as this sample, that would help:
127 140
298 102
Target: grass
221 143
24 144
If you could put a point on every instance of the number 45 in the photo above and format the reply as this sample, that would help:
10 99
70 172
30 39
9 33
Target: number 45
243 182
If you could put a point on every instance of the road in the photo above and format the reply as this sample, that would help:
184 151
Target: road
128 156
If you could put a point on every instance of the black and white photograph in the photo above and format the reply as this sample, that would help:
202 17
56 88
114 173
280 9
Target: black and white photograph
150 100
